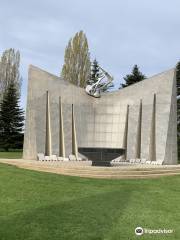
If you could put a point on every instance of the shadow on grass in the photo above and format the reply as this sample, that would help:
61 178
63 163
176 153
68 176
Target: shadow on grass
84 218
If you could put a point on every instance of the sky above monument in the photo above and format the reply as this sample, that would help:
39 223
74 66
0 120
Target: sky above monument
120 33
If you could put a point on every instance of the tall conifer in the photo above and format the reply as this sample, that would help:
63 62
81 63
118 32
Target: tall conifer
11 120
134 77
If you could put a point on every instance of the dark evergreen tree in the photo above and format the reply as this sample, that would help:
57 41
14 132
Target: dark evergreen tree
95 72
11 120
178 106
134 77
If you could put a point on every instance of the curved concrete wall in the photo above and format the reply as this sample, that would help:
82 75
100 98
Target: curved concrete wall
140 118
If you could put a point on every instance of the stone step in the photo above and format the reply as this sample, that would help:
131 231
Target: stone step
124 172
111 169
120 176
115 171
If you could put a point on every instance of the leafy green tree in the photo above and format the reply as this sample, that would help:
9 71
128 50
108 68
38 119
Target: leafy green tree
11 120
77 65
134 77
9 70
178 107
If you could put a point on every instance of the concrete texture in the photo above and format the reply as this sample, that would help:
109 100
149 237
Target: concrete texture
140 119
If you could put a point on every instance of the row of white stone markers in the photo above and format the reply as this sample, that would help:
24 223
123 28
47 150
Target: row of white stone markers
42 157
118 161
136 161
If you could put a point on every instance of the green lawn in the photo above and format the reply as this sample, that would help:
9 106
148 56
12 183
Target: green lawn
44 206
11 155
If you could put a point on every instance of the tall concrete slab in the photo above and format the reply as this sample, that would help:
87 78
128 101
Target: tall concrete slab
171 140
138 134
74 138
125 138
133 131
152 145
146 127
61 131
48 141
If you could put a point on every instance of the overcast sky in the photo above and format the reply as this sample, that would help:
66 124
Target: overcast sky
121 33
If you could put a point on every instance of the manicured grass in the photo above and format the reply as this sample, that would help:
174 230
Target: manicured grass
11 155
44 206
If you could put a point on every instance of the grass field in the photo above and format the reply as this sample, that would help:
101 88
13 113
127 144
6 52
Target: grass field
11 155
44 206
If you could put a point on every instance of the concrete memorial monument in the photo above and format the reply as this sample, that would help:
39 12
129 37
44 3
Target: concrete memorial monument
136 124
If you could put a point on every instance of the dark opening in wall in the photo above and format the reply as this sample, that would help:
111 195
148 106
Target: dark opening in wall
101 156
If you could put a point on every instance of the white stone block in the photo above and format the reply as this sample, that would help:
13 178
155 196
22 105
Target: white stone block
47 158
40 157
143 160
72 157
132 160
137 160
53 157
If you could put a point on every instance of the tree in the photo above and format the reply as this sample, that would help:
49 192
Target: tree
9 70
77 65
11 120
178 78
96 74
134 77
178 106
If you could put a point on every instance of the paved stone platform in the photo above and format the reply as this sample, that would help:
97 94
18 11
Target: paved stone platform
84 169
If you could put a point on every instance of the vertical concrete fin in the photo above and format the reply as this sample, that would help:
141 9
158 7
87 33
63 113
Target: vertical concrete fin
138 136
74 139
125 138
171 156
61 131
152 143
48 142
